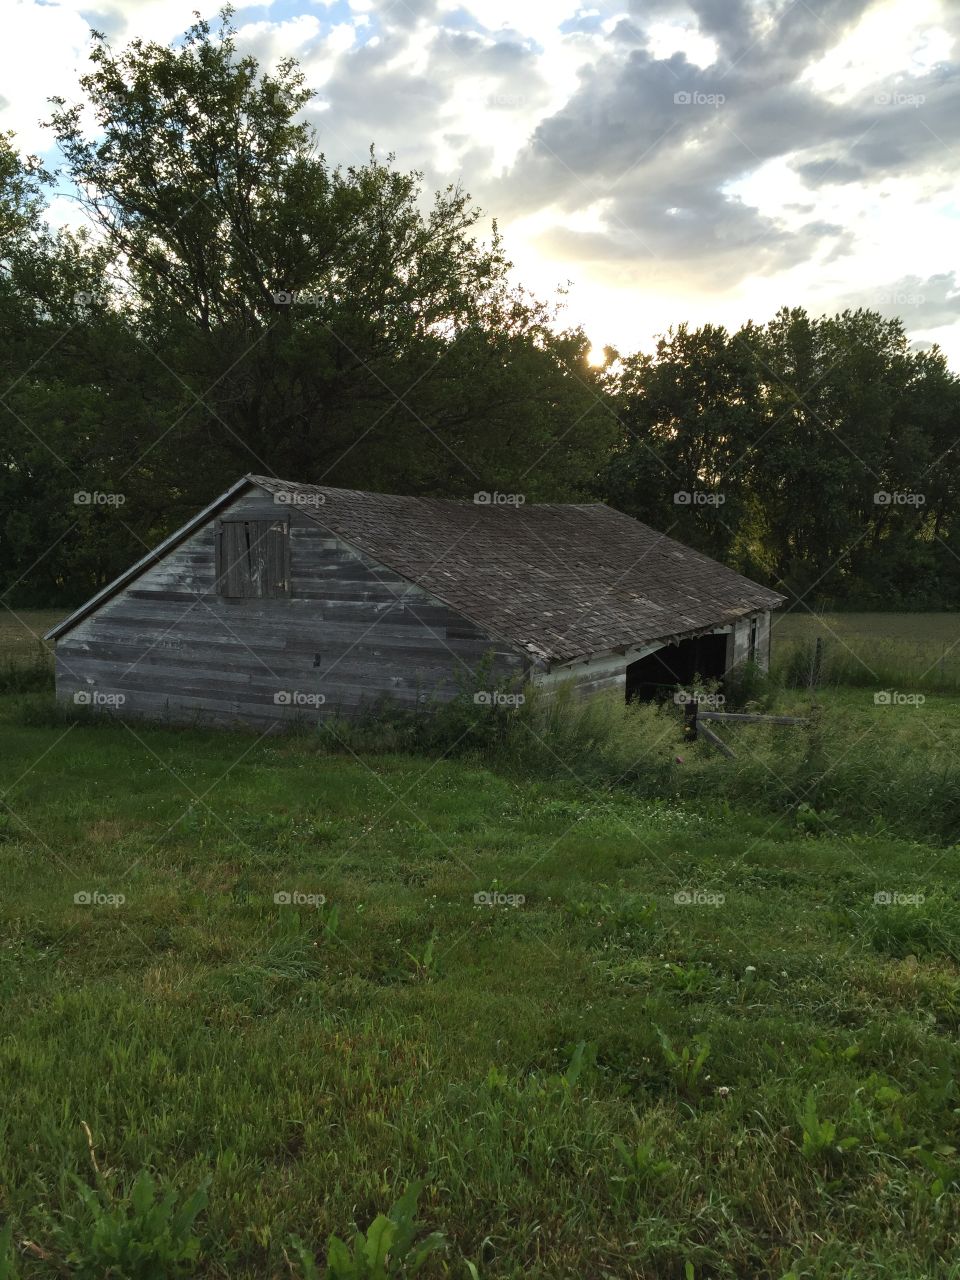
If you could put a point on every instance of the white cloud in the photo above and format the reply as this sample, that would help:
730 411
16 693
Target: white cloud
890 40
667 38
559 116
43 47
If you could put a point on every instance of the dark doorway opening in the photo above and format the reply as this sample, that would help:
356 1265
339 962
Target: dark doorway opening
659 673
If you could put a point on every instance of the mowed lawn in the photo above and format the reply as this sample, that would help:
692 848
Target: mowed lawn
594 1077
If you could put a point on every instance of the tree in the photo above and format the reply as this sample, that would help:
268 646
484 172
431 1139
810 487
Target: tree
319 322
831 441
690 414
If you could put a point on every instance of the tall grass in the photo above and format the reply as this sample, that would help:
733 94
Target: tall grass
546 732
32 674
854 763
862 661
851 763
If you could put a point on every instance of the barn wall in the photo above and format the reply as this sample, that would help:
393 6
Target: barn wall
350 632
595 675
738 643
738 648
763 642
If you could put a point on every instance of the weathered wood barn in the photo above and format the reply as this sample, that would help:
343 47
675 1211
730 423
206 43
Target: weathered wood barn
282 601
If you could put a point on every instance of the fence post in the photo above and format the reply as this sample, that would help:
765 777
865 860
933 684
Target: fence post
690 708
816 670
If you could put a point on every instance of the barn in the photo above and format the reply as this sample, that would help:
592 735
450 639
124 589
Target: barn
281 601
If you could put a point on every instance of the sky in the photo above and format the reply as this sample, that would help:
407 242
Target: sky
664 161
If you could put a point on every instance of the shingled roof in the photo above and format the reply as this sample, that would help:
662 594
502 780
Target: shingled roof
560 581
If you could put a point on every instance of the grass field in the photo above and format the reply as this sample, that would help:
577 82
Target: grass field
919 650
679 1036
21 632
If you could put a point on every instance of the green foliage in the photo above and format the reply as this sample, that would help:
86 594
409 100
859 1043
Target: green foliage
556 1085
387 1250
32 675
748 687
930 927
944 1167
8 1254
145 1234
640 1164
794 426
425 963
582 1058
686 1062
600 738
820 1136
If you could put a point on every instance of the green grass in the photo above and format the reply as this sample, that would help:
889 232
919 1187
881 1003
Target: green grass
599 1081
914 651
26 661
690 1042
21 631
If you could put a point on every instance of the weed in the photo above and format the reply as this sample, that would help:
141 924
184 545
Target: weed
945 1169
425 964
8 1254
688 980
144 1235
748 687
31 675
686 1063
387 1250
820 1136
640 1165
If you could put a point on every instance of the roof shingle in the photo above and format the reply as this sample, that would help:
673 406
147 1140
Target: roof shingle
561 580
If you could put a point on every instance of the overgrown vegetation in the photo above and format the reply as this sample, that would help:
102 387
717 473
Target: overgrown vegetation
909 653
854 763
34 674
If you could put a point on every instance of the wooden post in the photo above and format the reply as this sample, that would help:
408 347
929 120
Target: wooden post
749 717
690 709
816 671
714 741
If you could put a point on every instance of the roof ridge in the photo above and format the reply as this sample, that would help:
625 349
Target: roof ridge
270 481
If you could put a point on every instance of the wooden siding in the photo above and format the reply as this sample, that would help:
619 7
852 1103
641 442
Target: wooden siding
350 633
253 558
739 641
738 646
597 674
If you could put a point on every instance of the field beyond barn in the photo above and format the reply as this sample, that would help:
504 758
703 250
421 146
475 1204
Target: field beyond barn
687 1034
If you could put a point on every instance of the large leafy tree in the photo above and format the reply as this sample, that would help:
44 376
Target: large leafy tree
804 425
71 375
690 414
316 322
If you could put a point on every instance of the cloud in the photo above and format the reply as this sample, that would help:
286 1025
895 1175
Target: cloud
922 304
719 152
662 143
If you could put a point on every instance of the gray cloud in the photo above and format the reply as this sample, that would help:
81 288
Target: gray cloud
368 100
922 303
655 145
662 141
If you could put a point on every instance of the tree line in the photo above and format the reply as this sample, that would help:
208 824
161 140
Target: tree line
241 304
